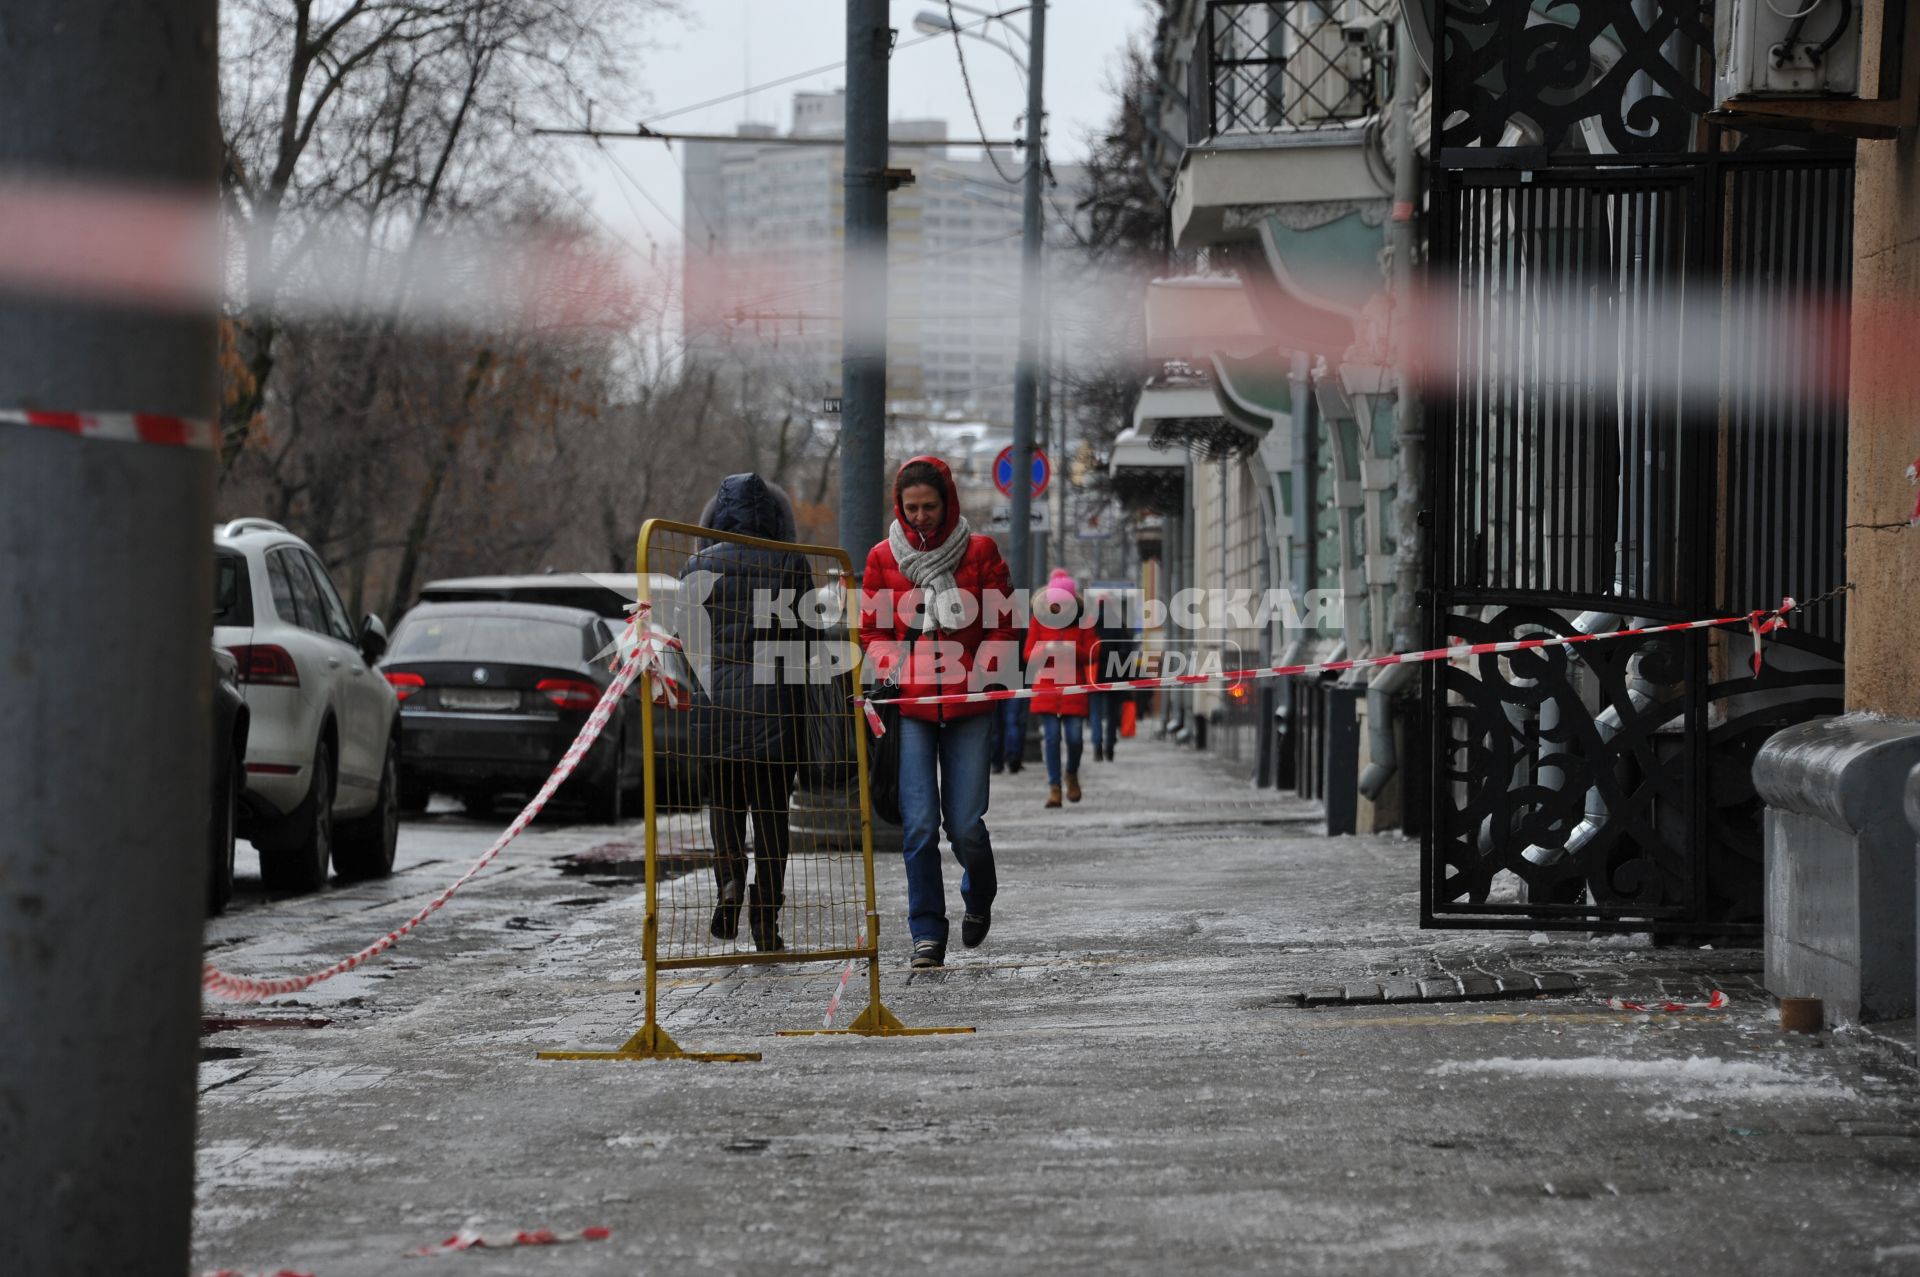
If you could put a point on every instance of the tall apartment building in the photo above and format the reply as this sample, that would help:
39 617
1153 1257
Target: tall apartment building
763 261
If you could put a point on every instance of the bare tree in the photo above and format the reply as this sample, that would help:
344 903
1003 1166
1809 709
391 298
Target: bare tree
379 116
1126 241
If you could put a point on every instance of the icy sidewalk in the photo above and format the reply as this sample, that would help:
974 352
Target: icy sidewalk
1148 1090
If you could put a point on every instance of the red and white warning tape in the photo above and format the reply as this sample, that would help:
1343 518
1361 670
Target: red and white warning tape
121 427
840 990
1718 1002
468 1239
232 988
652 644
1758 622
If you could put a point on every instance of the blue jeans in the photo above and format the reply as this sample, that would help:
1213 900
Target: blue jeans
1050 728
943 777
1008 734
1103 718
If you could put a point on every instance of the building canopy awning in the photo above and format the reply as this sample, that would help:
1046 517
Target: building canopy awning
1135 451
1256 392
1190 317
1143 477
1185 413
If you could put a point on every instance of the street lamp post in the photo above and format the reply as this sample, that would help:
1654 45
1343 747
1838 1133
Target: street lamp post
1026 376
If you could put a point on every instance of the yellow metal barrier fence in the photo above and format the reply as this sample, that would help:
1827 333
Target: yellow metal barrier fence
751 727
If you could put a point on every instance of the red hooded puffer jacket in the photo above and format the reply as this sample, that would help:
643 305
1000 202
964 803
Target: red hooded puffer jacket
1067 651
890 637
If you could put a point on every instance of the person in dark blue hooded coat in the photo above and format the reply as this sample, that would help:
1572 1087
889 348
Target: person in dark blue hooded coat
748 722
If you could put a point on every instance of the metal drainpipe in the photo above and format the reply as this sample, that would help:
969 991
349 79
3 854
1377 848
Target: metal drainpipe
1410 491
1302 476
1383 758
1262 480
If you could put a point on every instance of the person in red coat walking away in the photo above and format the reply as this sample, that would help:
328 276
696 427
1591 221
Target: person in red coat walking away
934 620
1064 646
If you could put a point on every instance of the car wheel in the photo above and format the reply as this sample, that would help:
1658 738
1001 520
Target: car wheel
365 846
226 814
297 855
477 803
414 793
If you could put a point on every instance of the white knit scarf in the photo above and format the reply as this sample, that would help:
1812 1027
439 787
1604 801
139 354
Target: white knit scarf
932 571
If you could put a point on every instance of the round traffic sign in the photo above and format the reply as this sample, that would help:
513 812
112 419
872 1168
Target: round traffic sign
1003 471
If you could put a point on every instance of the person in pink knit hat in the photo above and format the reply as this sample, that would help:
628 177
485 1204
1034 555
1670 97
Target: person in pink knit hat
1060 653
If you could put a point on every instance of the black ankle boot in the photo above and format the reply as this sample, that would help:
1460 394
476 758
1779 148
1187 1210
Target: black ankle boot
726 914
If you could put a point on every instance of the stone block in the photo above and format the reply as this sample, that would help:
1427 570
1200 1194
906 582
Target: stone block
1479 985
1840 866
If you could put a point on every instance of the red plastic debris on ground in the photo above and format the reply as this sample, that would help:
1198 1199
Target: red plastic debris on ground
468 1239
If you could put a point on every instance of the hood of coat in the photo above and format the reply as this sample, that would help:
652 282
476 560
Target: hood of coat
748 505
950 493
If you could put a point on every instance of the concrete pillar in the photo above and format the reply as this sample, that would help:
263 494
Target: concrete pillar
1883 433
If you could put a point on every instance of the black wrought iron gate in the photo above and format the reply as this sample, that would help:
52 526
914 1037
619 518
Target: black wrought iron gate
1644 420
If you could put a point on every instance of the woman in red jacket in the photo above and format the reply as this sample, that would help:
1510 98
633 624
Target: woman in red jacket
932 620
1065 647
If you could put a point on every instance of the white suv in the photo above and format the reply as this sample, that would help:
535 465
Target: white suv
323 740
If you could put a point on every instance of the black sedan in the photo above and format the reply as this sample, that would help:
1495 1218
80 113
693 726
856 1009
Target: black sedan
491 695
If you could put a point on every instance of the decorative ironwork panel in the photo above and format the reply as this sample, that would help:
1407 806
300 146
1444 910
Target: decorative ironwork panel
1564 768
1629 77
1294 64
1569 787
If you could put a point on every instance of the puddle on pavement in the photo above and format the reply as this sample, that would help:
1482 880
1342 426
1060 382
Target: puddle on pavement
228 1023
609 862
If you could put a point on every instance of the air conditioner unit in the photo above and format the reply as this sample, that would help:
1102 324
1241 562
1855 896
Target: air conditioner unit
1786 49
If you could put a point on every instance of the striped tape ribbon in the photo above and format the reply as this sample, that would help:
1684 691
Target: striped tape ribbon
1717 1002
233 988
120 427
468 1239
1758 623
840 990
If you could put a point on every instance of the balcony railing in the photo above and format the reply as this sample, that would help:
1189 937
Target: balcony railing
1291 65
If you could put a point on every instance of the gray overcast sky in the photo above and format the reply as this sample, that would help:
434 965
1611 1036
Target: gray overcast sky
726 45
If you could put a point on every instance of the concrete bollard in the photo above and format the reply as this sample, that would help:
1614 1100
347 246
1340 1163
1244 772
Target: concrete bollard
1840 865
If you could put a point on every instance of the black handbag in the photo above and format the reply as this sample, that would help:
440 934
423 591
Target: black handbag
883 754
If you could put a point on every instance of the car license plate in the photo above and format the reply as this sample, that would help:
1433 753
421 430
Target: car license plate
461 698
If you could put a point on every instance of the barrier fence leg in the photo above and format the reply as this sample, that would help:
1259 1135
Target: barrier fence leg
876 1021
653 1042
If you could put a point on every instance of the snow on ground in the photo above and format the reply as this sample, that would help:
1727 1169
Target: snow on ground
1694 1078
